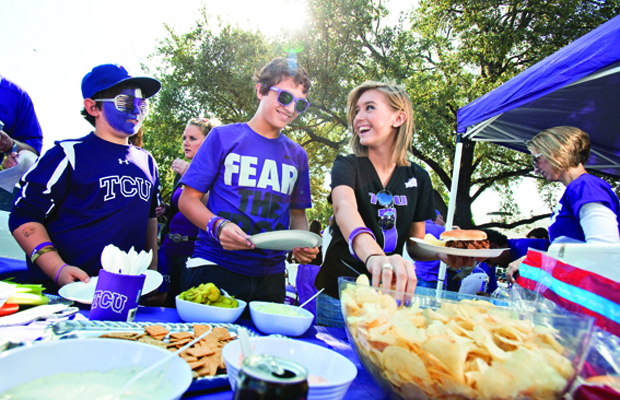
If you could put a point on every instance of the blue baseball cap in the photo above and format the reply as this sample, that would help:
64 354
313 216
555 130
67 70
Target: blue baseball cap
105 76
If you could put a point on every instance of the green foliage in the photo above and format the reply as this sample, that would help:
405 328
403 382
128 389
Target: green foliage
447 53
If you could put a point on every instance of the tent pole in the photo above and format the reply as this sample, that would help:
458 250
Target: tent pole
452 205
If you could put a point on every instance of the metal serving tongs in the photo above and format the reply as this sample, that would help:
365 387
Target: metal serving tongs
37 313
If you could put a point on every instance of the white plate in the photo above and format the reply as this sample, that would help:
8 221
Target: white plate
286 240
84 292
458 252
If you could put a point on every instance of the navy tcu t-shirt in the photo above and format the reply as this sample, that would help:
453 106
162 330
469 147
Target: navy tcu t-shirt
89 193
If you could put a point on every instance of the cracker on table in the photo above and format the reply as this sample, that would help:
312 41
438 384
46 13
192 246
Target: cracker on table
200 351
152 341
156 330
220 333
200 329
189 359
181 343
180 335
120 335
199 363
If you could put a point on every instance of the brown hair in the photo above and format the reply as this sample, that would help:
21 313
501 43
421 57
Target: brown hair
563 146
279 68
398 100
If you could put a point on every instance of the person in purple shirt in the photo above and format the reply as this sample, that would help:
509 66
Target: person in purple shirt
19 126
258 181
588 210
427 272
179 235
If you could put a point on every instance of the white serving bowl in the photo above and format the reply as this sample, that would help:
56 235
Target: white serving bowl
280 324
6 291
25 364
195 312
337 370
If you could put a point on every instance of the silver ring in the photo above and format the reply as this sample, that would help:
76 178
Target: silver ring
388 266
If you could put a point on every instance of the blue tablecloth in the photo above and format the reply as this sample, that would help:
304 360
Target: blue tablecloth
363 387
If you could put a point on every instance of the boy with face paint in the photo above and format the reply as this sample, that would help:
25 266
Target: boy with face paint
258 181
86 193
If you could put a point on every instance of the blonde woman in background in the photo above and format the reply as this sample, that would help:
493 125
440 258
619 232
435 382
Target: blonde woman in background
589 208
179 235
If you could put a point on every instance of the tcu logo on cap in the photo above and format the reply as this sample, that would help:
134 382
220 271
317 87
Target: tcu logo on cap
107 299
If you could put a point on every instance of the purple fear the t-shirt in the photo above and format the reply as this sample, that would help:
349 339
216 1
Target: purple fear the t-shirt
254 182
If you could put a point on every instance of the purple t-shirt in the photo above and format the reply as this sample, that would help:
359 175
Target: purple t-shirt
252 181
181 225
585 189
429 270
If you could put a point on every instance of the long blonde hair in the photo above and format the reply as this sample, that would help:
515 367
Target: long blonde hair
398 100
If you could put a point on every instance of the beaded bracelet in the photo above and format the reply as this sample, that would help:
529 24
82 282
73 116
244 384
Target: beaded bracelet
212 225
58 273
41 246
42 251
356 232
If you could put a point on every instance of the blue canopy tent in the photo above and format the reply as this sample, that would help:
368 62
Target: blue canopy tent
579 85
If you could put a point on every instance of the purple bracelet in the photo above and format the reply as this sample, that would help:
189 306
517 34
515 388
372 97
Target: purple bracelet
40 246
356 232
211 225
58 273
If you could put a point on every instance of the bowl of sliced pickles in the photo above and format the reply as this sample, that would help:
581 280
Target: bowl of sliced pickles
207 303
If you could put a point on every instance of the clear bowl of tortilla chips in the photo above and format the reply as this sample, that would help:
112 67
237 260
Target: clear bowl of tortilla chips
435 348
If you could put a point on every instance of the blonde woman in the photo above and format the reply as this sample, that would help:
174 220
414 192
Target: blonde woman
588 210
179 235
380 199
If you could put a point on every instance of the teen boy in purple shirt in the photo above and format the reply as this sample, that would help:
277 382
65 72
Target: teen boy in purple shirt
257 181
86 193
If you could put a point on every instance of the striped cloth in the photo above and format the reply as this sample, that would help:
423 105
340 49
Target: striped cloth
573 289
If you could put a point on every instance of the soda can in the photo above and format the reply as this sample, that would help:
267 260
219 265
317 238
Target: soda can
267 377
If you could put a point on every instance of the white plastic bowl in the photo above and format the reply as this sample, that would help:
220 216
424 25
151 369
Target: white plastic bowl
280 324
195 312
25 364
337 370
6 291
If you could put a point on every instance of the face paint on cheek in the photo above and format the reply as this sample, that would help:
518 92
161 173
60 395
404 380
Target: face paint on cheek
120 121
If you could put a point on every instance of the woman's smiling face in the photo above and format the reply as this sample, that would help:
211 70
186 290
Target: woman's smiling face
544 167
374 119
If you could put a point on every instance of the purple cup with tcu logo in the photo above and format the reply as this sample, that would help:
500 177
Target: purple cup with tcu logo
116 297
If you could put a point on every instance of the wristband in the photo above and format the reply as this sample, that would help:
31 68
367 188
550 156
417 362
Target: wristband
58 273
373 255
356 232
219 229
39 253
39 247
211 225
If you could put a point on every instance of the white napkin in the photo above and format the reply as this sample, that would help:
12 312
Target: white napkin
117 261
9 177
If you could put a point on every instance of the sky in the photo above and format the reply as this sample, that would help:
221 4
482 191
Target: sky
49 45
